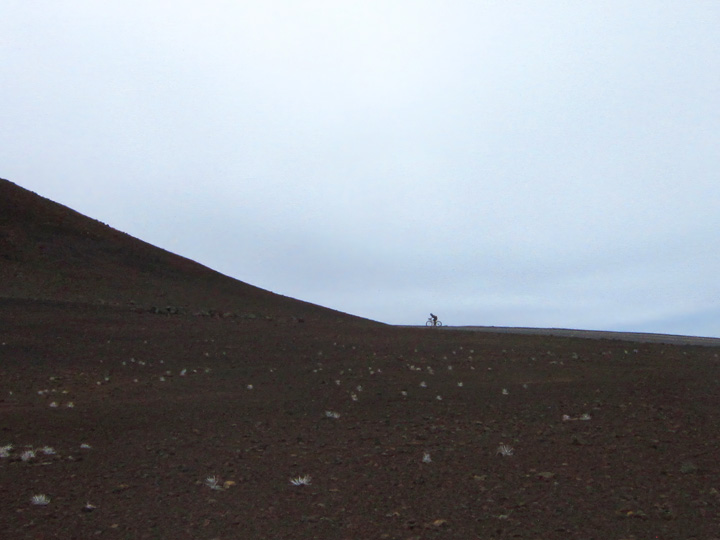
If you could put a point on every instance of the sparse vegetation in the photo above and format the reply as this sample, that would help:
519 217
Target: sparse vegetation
40 500
301 480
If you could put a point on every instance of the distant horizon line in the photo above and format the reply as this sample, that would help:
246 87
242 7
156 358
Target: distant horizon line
618 335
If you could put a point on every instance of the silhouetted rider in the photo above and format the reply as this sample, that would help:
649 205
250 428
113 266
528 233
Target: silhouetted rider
434 318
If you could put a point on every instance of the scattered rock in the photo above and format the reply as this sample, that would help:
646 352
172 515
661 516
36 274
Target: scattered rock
167 310
577 440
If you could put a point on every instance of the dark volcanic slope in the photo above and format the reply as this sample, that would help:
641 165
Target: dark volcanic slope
50 252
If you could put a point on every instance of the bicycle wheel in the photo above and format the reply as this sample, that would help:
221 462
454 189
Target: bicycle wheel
439 323
429 323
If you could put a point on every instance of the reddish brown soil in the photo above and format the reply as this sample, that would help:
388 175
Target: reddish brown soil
644 465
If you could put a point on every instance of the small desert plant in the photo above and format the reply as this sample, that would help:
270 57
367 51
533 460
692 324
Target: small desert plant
505 450
40 500
301 480
213 482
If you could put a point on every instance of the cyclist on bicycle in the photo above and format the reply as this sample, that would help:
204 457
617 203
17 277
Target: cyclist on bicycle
434 319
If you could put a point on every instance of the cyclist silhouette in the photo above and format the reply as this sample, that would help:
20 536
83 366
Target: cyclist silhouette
434 318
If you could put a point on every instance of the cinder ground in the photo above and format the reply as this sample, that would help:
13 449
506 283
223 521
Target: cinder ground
644 465
668 339
610 439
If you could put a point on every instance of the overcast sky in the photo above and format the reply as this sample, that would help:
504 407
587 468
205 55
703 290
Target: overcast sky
509 163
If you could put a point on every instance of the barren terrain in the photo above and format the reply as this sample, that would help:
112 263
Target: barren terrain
146 396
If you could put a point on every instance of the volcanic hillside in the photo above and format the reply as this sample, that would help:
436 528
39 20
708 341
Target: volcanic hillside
50 252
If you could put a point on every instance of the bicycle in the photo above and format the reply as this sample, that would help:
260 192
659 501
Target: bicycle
431 322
